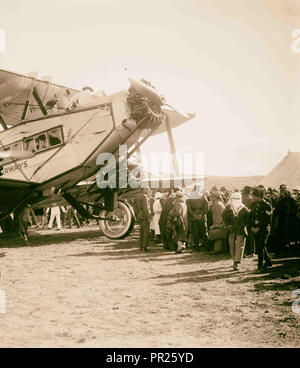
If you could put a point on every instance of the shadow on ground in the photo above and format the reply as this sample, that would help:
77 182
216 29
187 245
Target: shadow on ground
286 267
280 277
41 239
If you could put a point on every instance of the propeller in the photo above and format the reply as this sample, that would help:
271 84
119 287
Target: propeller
146 91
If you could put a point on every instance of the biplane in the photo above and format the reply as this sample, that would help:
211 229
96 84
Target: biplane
52 135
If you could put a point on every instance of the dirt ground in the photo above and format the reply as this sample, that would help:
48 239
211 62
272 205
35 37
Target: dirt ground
74 288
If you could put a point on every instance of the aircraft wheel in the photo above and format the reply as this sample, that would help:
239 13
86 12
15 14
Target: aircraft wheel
123 225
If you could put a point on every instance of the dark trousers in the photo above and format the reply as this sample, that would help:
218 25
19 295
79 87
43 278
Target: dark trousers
250 244
261 249
144 233
70 215
199 231
23 229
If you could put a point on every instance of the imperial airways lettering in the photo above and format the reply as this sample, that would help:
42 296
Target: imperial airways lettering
123 358
13 168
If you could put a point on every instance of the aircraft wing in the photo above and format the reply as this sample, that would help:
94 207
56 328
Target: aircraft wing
186 182
17 89
175 119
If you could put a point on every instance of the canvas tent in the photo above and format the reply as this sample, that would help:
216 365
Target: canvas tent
287 171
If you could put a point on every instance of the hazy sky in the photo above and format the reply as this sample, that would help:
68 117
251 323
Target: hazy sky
230 62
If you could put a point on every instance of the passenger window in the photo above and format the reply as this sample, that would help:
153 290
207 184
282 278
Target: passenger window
41 142
17 146
29 145
55 137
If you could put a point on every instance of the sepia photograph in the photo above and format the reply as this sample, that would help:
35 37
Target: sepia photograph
149 176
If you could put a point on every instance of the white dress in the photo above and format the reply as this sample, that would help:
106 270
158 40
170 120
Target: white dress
157 208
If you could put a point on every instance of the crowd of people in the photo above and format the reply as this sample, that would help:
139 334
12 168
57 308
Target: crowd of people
242 223
54 217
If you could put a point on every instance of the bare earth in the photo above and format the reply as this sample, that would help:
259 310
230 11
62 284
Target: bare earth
74 288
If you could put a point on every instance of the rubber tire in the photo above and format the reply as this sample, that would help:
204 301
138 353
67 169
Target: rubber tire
129 224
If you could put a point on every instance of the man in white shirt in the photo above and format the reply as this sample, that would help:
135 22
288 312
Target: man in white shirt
55 214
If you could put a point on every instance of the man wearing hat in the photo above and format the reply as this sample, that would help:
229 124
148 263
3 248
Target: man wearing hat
166 208
144 217
197 206
217 208
259 223
247 200
225 194
246 196
266 196
284 217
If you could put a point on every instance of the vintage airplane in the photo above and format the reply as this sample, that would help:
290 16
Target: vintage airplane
52 135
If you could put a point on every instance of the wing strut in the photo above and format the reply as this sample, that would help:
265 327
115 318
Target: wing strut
2 122
39 101
172 147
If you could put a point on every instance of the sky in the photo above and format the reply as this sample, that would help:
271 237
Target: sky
231 62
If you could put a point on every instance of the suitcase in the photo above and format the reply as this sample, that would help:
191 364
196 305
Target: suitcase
217 233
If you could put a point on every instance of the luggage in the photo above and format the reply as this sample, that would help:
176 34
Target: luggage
217 233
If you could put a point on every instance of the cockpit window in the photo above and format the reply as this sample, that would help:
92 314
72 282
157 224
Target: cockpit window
17 146
55 137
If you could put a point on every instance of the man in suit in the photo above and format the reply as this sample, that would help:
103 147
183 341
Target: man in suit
259 222
144 217
284 216
247 200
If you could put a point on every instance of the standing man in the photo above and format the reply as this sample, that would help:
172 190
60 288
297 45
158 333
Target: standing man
225 194
217 208
70 215
235 218
163 221
25 218
259 223
247 197
144 217
247 200
55 214
197 206
284 215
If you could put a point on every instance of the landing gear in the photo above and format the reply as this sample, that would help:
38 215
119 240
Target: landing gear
120 222
116 223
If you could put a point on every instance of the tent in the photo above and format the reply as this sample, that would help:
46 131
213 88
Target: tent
287 171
